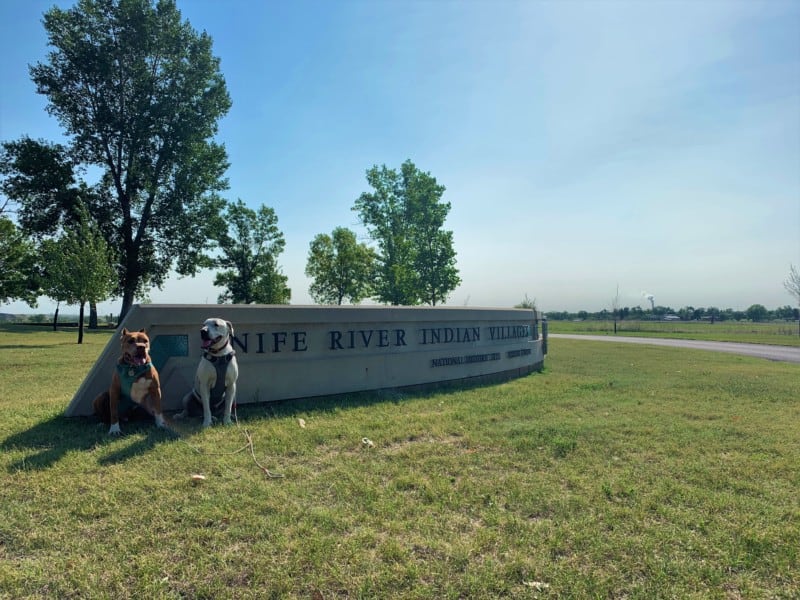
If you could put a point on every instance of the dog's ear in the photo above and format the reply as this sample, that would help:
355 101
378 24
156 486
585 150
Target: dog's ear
124 333
142 330
230 327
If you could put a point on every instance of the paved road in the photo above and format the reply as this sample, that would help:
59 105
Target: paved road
780 353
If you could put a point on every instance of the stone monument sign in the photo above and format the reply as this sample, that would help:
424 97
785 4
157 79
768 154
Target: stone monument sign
287 352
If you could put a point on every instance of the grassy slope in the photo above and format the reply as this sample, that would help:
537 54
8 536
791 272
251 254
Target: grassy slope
618 472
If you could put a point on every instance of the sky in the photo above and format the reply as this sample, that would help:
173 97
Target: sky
589 148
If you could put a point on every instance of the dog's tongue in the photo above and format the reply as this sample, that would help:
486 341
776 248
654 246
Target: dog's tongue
206 344
138 360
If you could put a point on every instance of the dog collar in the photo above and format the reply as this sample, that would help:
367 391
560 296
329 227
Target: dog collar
134 371
224 358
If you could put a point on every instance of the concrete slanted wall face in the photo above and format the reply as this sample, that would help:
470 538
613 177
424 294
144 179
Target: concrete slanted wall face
289 352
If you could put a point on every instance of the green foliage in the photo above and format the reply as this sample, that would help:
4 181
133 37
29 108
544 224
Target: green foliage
384 214
405 216
250 249
340 267
526 303
18 278
434 258
78 267
139 93
40 176
620 471
757 312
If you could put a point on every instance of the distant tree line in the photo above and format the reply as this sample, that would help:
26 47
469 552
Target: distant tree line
139 94
755 313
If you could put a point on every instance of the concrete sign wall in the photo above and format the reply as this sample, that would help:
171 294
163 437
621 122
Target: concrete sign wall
289 352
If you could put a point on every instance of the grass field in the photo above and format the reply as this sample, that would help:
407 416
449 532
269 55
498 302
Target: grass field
618 472
776 333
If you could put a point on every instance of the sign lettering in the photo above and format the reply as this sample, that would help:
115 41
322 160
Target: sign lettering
375 339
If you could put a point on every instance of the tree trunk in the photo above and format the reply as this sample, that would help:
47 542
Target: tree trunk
55 318
127 301
92 315
131 277
80 324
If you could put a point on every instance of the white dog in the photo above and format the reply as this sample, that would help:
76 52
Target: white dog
215 379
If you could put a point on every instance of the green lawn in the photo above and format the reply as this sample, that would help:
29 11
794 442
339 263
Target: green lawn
776 333
619 472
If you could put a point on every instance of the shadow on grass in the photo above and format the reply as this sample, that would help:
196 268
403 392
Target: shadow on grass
322 404
148 437
49 441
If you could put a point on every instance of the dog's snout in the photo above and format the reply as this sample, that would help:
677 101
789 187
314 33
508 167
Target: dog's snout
204 333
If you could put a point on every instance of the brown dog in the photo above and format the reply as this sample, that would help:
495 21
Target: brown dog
134 383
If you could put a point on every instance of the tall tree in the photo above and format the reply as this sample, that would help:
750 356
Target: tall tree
340 267
139 93
434 256
405 215
250 249
383 213
18 273
792 283
41 178
78 267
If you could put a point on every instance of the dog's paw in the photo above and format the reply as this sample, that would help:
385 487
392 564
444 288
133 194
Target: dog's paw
114 429
227 420
208 423
160 421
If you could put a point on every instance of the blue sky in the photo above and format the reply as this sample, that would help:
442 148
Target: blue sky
584 145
